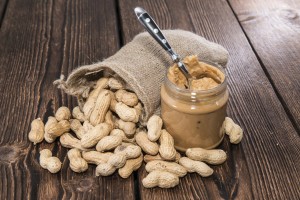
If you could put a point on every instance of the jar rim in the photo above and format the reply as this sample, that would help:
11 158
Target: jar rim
218 88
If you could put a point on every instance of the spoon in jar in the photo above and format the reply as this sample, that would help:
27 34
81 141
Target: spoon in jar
150 25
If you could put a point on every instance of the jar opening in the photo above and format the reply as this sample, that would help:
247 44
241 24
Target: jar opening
198 95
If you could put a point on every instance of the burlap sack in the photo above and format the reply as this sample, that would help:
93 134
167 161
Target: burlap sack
142 64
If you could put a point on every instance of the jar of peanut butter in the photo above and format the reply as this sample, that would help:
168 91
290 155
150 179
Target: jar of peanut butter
194 117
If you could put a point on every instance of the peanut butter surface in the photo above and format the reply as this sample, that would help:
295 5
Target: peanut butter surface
205 76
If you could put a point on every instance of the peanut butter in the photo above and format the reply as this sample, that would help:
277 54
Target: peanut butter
194 116
205 76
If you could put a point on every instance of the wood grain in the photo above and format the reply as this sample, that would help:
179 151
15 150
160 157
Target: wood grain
273 29
264 165
39 41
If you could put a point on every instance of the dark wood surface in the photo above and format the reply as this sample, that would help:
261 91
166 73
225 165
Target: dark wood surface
39 40
273 28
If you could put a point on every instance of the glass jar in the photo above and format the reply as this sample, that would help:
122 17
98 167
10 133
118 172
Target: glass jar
194 118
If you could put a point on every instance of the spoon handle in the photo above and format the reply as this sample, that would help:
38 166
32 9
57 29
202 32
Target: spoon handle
150 25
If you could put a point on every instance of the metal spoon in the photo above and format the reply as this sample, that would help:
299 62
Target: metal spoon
150 25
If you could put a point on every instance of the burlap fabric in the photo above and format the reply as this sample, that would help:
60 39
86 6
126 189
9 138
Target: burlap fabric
142 64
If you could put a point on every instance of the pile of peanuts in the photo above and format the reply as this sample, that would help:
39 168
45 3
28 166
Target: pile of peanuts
106 133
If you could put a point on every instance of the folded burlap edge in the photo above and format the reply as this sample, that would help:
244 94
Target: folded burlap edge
85 86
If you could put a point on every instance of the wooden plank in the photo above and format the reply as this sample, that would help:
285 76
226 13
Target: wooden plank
274 32
264 165
39 41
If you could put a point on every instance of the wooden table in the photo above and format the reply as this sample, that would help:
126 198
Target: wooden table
39 40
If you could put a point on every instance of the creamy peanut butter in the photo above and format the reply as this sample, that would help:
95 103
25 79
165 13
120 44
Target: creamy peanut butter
205 76
194 116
